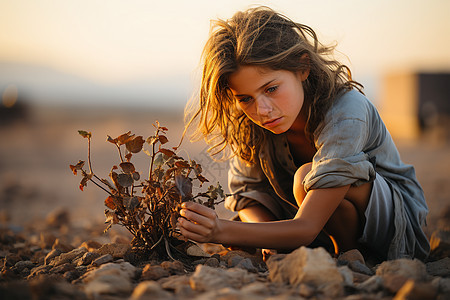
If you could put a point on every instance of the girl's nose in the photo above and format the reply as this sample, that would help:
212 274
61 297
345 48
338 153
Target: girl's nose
263 106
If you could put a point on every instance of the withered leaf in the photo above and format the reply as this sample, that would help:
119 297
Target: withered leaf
84 181
124 138
202 178
197 167
136 176
109 202
182 164
85 134
163 139
152 140
111 140
167 152
184 186
128 156
130 202
78 166
159 160
135 144
127 167
125 180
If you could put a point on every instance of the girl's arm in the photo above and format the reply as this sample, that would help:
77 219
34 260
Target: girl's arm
201 224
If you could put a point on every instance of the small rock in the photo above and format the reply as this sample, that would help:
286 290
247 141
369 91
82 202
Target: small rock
409 268
347 274
246 264
43 269
87 258
442 284
439 268
110 278
71 275
212 262
116 250
393 282
311 266
51 255
63 247
412 290
20 265
234 260
177 283
359 267
91 245
207 279
174 267
352 255
371 285
150 290
68 257
154 272
195 250
256 288
102 260
11 259
63 268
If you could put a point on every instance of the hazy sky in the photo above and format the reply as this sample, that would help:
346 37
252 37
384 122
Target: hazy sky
116 41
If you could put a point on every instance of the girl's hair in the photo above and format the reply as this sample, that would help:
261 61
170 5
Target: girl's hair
260 37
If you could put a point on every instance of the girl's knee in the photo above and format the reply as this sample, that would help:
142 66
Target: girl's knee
300 174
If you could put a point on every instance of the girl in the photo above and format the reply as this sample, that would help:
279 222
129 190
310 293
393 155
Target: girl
310 151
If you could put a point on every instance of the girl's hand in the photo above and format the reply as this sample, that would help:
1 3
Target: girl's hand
199 223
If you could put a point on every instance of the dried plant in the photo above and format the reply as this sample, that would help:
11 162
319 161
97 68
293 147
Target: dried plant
148 208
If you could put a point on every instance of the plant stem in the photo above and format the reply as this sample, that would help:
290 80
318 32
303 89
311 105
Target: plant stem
120 153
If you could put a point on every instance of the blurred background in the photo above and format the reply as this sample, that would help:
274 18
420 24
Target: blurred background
113 66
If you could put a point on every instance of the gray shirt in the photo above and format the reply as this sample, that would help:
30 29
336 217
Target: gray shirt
352 147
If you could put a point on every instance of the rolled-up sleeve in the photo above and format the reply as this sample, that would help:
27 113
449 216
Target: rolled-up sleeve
249 185
341 159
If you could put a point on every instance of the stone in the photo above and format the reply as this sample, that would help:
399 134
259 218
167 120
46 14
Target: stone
310 266
63 247
347 274
393 282
409 268
234 260
110 278
43 269
173 267
442 284
359 267
180 284
51 255
207 279
195 250
91 245
87 258
413 290
63 268
351 255
24 264
256 259
212 262
371 285
68 257
116 250
150 290
154 272
102 260
439 268
246 264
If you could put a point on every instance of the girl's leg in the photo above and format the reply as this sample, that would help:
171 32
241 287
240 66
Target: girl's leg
347 222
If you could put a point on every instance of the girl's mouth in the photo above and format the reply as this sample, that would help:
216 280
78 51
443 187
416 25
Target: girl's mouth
272 122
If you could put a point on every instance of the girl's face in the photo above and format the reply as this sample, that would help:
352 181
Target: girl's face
272 99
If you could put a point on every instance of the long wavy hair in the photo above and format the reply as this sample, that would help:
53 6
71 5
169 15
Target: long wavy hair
260 37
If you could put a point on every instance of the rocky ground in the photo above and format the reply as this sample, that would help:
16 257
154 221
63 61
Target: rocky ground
55 259
52 244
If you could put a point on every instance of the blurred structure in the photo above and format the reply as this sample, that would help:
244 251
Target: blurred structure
416 104
12 106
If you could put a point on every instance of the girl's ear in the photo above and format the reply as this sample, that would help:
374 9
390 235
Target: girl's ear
303 74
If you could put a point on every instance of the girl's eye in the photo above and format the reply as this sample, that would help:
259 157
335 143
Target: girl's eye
272 89
245 100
